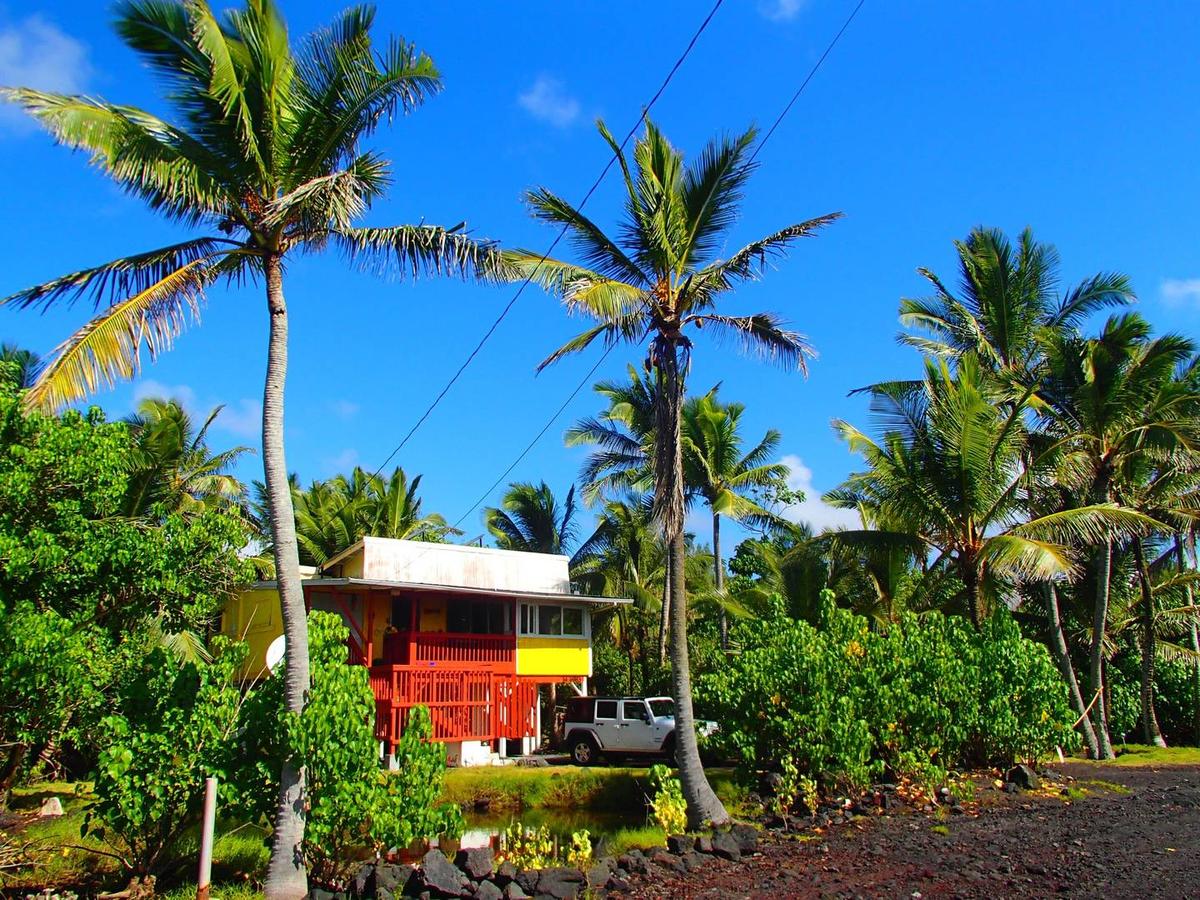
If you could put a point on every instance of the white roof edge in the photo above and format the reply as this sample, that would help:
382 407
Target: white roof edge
462 589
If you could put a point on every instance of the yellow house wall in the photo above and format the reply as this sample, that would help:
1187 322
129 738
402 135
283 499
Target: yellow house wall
252 615
554 656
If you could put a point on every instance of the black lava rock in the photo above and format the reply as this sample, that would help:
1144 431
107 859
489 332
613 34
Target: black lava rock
477 862
440 876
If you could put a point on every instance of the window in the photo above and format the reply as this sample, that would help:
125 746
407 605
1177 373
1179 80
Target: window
606 709
550 620
477 617
663 708
634 709
553 621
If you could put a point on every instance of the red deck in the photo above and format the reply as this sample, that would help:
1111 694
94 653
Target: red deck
464 705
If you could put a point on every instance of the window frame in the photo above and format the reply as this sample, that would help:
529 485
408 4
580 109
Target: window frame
530 618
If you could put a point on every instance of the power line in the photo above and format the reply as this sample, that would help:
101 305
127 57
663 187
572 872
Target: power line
807 78
537 437
774 126
533 272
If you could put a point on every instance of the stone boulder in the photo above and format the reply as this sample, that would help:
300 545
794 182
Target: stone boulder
513 891
679 843
487 891
725 846
476 862
746 837
442 878
1024 777
561 883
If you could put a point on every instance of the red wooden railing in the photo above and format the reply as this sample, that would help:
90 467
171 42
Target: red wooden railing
464 705
493 652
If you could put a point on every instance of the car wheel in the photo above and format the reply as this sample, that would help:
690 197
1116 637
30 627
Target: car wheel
584 750
668 750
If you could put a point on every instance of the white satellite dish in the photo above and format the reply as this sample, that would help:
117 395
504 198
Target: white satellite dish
275 652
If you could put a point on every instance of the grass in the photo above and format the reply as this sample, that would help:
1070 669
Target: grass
943 830
1100 785
68 860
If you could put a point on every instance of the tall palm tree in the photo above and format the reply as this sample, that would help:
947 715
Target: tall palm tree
1103 400
655 282
952 471
531 519
726 477
265 160
1007 297
622 463
172 464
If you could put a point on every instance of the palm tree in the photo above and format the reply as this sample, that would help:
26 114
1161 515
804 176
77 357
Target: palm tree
266 158
172 464
530 519
18 366
1007 297
332 515
655 282
724 476
1104 402
953 472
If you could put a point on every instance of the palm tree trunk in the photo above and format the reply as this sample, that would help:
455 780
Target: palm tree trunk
970 577
664 620
1150 730
1058 645
1096 657
286 877
703 805
1191 600
719 580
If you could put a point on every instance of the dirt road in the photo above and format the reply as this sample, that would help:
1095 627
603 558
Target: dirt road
1141 839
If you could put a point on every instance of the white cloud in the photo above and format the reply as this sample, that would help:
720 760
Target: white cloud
343 462
243 419
159 391
1177 292
345 409
781 10
36 53
813 511
549 101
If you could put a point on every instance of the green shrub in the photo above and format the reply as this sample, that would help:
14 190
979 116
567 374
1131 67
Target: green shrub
352 803
174 728
667 805
845 704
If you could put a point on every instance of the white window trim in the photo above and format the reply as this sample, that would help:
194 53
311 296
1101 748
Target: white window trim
587 623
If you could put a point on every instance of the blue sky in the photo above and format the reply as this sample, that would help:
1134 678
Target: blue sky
1079 120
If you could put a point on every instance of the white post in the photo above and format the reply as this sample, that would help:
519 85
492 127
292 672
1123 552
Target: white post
203 884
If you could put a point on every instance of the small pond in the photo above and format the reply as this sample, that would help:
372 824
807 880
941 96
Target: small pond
486 829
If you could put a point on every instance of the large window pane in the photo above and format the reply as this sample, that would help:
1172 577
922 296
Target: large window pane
549 620
573 621
606 709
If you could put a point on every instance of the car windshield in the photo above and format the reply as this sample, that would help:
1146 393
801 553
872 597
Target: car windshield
662 708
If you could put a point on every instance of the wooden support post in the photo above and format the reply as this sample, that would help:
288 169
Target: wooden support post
204 881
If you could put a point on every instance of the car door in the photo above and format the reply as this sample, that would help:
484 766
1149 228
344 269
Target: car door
636 729
607 724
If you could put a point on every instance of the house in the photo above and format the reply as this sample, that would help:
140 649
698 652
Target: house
471 633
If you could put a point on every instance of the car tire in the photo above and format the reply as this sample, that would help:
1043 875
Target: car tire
584 750
668 751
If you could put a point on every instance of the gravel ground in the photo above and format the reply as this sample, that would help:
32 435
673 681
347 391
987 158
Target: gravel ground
1142 840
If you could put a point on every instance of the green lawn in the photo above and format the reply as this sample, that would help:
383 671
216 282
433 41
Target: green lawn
67 860
1146 755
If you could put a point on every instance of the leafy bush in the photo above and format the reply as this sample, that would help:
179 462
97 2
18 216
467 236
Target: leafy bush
352 803
174 728
844 704
667 805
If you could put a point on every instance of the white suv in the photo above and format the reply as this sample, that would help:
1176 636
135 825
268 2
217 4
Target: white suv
619 726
